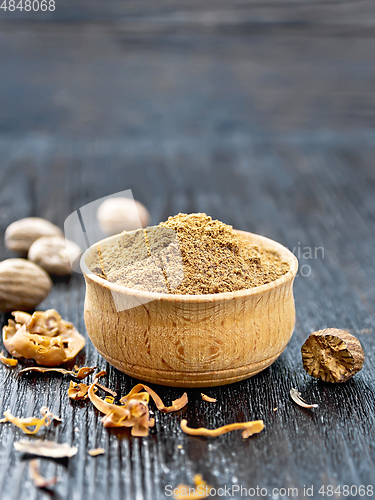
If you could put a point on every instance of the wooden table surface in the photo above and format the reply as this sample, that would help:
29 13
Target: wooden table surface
260 114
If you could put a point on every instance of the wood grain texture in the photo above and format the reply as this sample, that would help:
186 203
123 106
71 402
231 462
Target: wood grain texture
262 117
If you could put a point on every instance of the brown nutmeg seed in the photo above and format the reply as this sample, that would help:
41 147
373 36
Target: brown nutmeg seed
332 355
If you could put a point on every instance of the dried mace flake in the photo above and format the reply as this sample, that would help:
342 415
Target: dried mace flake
207 398
43 336
7 361
133 411
296 396
77 391
177 404
48 449
38 480
201 490
96 452
332 355
31 425
250 428
81 373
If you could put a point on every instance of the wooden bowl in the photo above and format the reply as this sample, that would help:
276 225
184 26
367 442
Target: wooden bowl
191 340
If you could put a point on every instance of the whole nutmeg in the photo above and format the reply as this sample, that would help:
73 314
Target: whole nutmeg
54 254
332 355
122 214
21 234
23 285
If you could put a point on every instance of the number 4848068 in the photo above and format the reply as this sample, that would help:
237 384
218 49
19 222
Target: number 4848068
28 5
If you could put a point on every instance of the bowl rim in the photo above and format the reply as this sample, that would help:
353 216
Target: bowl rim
285 253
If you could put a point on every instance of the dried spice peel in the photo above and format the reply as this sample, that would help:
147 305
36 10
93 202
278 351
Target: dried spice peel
332 355
201 490
8 361
38 480
42 336
250 428
48 449
25 424
296 396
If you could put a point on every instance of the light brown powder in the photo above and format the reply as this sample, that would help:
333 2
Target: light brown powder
190 254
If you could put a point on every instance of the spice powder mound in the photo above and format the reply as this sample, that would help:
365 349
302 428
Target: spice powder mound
189 254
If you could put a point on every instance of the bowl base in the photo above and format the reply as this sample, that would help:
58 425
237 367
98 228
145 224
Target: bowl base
191 379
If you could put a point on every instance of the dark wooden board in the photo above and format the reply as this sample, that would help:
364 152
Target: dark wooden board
260 115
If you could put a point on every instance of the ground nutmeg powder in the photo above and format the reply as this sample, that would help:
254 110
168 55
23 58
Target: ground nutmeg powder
188 254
